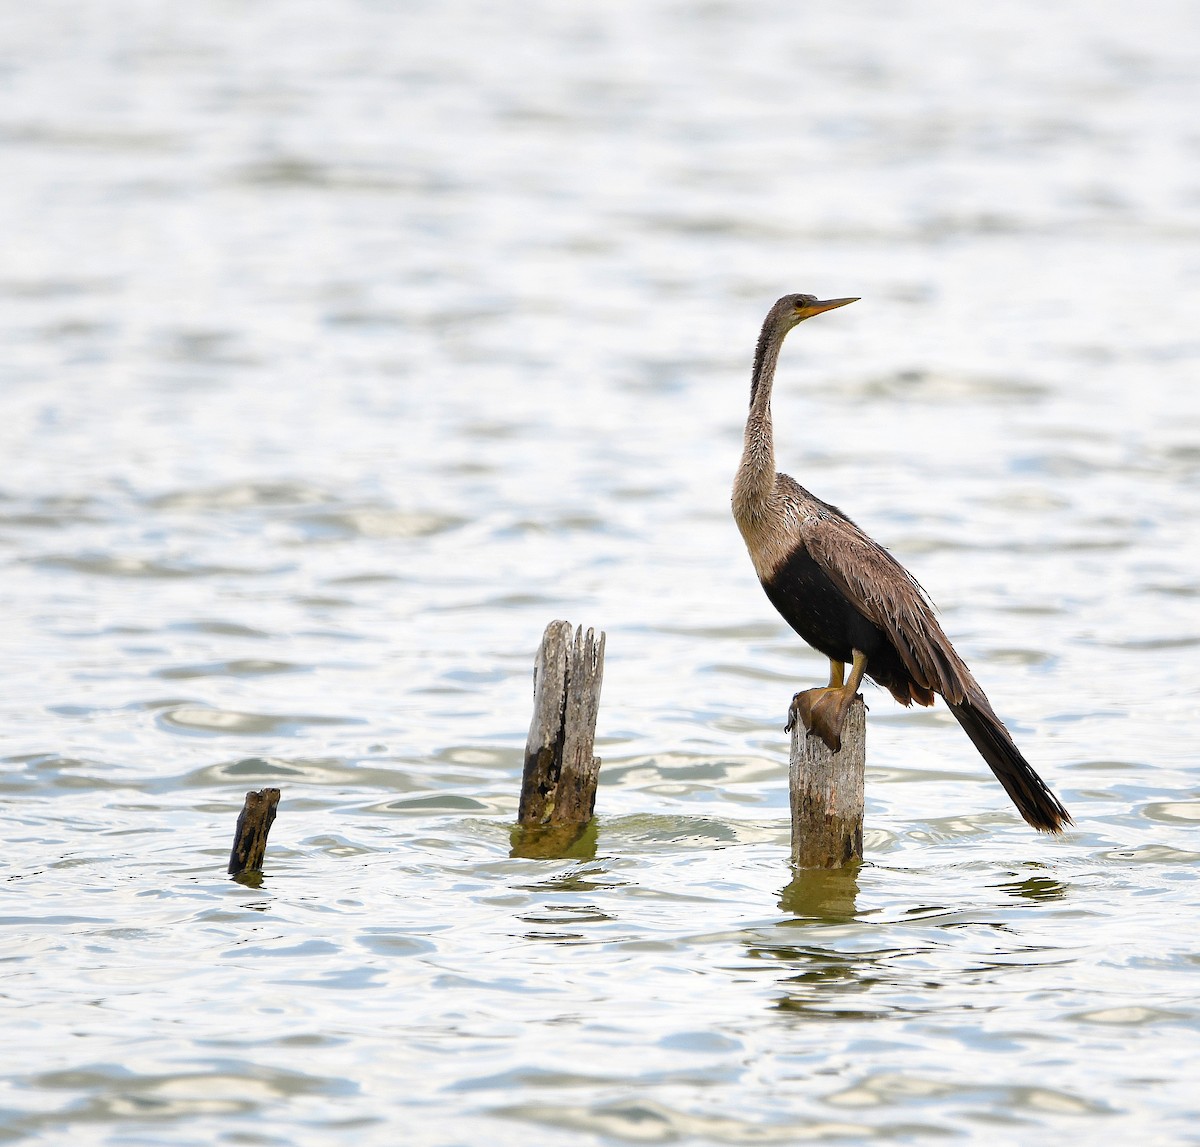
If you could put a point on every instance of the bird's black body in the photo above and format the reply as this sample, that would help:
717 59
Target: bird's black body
827 618
851 600
819 612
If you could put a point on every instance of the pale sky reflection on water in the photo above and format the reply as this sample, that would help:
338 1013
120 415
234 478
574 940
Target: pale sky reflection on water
345 346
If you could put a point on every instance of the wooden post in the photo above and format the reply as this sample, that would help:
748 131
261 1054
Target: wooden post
559 782
253 824
827 794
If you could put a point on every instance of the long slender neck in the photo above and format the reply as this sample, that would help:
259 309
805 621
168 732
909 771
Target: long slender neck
756 474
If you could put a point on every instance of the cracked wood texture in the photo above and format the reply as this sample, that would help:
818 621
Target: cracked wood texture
560 777
827 794
253 824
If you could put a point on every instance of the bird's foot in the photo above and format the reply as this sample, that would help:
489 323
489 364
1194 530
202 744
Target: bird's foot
822 712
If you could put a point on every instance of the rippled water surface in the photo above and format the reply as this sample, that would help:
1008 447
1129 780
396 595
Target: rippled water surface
346 345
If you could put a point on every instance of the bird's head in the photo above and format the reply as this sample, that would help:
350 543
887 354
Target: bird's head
793 309
788 312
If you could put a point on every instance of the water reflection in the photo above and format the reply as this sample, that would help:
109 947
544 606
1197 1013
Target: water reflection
554 841
251 879
827 895
1039 889
327 382
828 984
563 923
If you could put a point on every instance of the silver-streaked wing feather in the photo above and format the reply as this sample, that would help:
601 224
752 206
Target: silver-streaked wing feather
888 595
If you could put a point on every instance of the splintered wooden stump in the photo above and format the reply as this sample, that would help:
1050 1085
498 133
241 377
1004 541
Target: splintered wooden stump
827 794
559 782
253 824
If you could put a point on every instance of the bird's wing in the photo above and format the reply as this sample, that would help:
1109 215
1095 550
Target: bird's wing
888 595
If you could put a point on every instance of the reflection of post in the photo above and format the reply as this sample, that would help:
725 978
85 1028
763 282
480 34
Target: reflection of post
828 894
827 794
559 783
253 824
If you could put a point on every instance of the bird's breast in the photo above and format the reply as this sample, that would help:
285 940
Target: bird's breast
771 533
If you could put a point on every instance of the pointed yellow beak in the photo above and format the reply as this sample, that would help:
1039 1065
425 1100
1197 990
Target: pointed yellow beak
811 309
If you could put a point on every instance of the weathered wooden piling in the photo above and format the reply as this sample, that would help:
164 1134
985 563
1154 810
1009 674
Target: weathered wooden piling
827 794
560 777
253 825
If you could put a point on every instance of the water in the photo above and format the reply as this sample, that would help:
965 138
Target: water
346 345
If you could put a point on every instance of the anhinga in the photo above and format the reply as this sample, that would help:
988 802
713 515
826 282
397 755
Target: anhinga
851 600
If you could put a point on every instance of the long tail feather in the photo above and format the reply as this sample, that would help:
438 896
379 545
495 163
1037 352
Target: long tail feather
1032 796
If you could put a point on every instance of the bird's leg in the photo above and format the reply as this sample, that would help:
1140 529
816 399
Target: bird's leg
837 674
823 711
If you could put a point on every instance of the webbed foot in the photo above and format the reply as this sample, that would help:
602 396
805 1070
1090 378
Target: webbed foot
822 712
